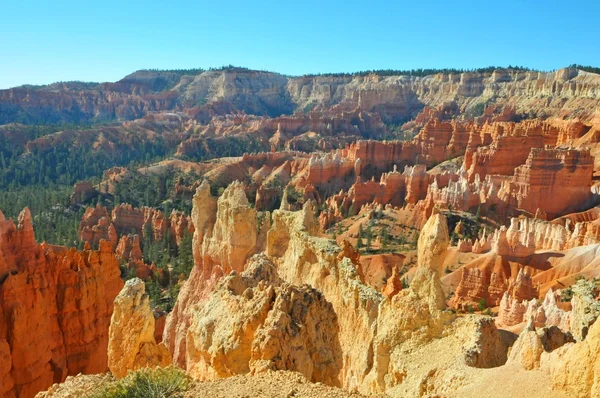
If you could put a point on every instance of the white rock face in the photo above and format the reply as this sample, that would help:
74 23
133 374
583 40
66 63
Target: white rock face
131 343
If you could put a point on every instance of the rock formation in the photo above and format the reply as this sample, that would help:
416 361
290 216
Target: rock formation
565 175
545 313
129 250
432 245
570 92
575 368
97 224
254 322
225 236
585 308
544 235
414 315
131 343
510 146
531 344
57 300
83 192
486 279
269 291
302 258
393 285
234 234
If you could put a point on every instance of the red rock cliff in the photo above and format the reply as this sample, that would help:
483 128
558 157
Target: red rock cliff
556 181
55 309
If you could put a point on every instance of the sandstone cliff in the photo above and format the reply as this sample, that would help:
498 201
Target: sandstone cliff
55 309
253 322
97 224
571 93
565 175
225 236
131 343
575 368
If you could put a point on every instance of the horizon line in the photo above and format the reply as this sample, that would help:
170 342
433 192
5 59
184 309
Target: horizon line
420 72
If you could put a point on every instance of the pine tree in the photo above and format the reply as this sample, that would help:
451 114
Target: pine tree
369 234
359 243
385 238
351 211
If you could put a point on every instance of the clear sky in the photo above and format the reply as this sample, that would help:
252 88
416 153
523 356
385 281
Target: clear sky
45 41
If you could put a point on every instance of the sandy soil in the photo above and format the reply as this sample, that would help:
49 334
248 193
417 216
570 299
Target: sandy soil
268 385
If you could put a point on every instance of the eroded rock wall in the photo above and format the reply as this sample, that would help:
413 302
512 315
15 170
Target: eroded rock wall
55 309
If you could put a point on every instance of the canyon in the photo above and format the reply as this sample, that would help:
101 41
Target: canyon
266 93
367 234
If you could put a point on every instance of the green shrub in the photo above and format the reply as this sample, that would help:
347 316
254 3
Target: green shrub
475 110
566 294
405 283
149 383
482 304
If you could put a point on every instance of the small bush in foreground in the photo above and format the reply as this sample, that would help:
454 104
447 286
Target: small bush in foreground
149 383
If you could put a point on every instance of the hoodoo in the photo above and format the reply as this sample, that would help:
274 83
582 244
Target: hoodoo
422 233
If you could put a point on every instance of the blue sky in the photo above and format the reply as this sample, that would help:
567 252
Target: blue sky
45 41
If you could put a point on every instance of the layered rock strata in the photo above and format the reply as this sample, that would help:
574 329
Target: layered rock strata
555 181
56 300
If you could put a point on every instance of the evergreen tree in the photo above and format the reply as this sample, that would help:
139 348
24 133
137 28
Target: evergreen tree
359 243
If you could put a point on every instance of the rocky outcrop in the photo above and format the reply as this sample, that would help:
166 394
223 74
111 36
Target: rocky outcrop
486 346
131 343
143 221
97 224
435 143
204 214
129 251
254 322
510 146
561 174
556 181
460 194
126 225
575 369
83 192
525 236
569 92
234 234
348 251
194 290
56 300
585 308
485 280
180 225
431 247
301 258
531 344
394 189
225 236
307 132
545 313
414 316
393 285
